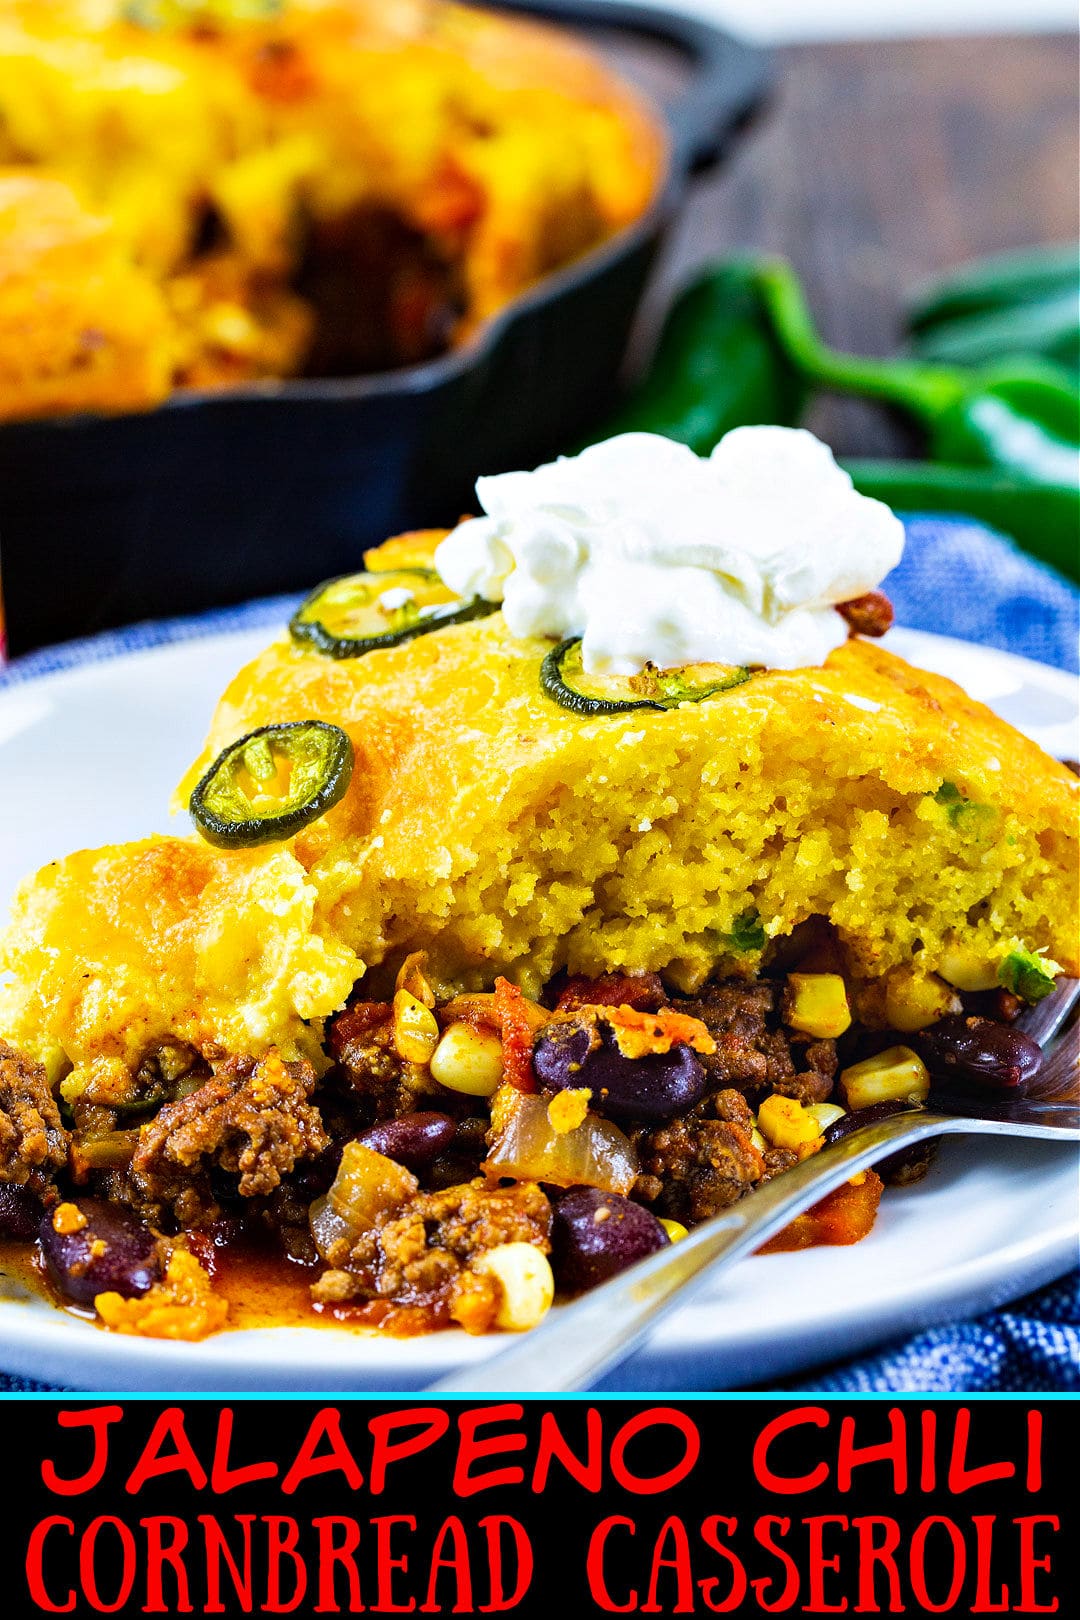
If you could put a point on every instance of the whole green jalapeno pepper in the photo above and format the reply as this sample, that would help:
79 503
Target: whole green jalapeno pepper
717 366
1046 329
999 284
1019 418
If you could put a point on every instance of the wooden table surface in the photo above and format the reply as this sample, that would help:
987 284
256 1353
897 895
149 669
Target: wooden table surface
880 162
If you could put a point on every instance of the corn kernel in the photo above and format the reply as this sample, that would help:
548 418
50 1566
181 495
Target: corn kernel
468 1060
674 1229
915 1000
786 1123
966 967
826 1114
416 1029
895 1075
526 1284
817 1004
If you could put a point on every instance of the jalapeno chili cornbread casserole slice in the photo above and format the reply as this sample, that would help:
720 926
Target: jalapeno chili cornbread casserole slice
502 833
318 186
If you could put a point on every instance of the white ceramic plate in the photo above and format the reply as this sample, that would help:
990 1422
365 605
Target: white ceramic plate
90 756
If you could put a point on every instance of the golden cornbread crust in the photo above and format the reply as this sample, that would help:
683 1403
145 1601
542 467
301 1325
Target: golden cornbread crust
502 834
203 179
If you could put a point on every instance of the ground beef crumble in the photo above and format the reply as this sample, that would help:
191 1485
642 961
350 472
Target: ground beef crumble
699 1164
419 1254
694 1167
361 1040
33 1142
251 1120
753 1053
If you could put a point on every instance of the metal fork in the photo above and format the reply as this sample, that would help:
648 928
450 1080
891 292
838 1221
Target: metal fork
576 1344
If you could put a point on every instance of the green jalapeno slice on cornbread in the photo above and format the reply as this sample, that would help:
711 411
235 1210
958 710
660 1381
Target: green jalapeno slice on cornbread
272 783
563 679
358 613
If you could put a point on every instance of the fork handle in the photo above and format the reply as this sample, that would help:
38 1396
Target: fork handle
576 1344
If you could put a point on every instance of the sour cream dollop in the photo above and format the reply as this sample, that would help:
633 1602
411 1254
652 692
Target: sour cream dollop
652 554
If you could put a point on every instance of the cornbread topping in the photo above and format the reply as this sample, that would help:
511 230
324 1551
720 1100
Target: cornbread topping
654 555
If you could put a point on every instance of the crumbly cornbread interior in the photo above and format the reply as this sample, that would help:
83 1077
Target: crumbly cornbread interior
503 834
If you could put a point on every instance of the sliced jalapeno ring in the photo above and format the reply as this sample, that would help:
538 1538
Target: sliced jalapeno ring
358 613
563 679
271 783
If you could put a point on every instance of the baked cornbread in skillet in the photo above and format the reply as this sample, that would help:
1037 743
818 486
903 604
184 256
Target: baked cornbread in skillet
310 186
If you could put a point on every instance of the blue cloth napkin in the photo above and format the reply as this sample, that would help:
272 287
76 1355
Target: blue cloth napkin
956 578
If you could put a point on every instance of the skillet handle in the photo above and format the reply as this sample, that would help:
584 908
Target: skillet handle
730 78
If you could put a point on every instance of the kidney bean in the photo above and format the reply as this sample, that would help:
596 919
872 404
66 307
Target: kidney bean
414 1140
858 1117
20 1211
129 1264
656 1086
981 1052
597 1234
898 1169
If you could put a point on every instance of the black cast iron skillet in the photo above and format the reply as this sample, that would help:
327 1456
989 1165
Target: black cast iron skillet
218 496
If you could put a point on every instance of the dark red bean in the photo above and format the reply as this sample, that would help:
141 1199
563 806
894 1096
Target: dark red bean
869 615
910 1164
20 1212
414 1140
656 1086
597 1234
129 1263
978 1051
858 1117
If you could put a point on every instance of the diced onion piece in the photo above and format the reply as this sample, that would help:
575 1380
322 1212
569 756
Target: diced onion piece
595 1154
411 977
818 1005
478 1008
367 1185
526 1284
416 1029
332 1236
895 1075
